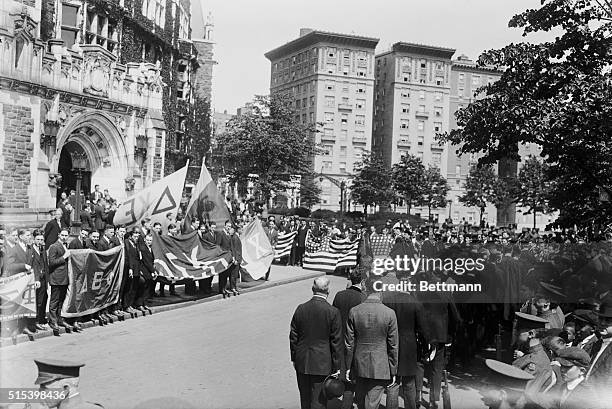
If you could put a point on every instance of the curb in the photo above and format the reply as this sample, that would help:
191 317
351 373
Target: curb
22 338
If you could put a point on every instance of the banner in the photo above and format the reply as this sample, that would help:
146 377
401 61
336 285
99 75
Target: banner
155 201
257 252
187 256
206 203
284 244
94 281
17 297
329 254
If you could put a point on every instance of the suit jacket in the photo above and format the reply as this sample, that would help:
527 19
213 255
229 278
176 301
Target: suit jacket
90 245
214 238
441 317
132 257
52 231
40 264
224 241
236 248
146 263
371 340
315 339
77 244
347 299
104 245
98 217
16 259
86 220
58 265
598 378
410 319
301 236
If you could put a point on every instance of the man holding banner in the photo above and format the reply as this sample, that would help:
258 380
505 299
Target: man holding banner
58 279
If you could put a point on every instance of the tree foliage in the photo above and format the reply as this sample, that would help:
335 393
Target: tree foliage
310 192
408 178
372 185
479 188
556 95
434 189
533 188
269 142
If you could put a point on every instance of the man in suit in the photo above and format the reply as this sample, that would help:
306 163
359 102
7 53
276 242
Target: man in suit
315 342
410 320
210 235
147 267
17 257
371 342
53 227
107 240
40 268
81 241
225 244
93 242
99 216
301 242
272 233
133 290
236 249
58 279
194 226
96 194
344 301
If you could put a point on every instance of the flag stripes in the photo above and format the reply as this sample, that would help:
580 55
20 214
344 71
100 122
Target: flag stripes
328 254
284 243
179 269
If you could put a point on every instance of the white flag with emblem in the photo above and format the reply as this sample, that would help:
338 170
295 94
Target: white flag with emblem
257 252
155 201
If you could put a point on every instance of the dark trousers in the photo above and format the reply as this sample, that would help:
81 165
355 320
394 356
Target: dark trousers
223 280
205 284
133 291
299 256
234 274
292 256
41 303
311 387
58 295
407 384
138 291
149 288
349 394
369 392
437 370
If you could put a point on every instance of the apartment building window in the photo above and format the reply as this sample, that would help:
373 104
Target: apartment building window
436 158
405 108
361 73
475 80
329 85
275 67
312 101
100 30
331 52
420 140
406 77
304 102
439 66
313 86
155 11
69 29
421 125
304 118
438 111
327 165
421 108
343 151
314 53
404 124
345 100
329 117
421 94
462 77
360 134
439 80
438 126
461 92
298 103
328 132
345 87
328 150
313 68
360 104
360 120
405 94
182 87
423 64
330 101
458 170
438 96
344 119
342 167
361 88
346 57
423 77
343 134
312 118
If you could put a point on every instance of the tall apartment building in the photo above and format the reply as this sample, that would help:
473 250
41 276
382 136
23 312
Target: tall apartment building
331 78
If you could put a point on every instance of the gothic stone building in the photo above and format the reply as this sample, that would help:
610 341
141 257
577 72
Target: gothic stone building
107 79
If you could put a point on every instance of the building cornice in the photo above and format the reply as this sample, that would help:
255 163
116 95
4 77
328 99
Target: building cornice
422 49
316 37
474 68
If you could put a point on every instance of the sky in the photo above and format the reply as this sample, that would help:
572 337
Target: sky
246 29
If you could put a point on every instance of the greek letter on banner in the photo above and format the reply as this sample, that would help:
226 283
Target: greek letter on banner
17 297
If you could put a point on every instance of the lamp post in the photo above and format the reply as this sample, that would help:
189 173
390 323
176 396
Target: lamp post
140 151
48 139
342 198
79 165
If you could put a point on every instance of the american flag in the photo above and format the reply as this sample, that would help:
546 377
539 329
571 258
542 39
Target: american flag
381 245
283 244
327 254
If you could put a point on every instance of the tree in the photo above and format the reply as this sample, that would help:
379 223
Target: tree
269 142
310 192
533 187
556 95
479 188
200 131
372 184
434 189
504 195
408 175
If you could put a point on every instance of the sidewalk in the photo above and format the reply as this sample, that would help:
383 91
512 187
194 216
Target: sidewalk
279 275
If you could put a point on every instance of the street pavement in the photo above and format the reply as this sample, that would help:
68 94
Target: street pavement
223 354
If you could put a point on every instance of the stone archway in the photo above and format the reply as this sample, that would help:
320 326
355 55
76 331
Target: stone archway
107 154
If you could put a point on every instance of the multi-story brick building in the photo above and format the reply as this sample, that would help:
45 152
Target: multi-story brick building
107 79
331 78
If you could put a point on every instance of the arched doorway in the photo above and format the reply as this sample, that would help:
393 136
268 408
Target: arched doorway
69 180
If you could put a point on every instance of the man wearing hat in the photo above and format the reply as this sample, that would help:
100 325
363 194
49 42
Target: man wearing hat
511 382
540 305
62 375
535 360
587 325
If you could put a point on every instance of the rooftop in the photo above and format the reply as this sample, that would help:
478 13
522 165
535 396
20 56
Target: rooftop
423 49
310 37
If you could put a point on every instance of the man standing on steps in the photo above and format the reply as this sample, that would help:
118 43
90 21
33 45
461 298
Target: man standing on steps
315 342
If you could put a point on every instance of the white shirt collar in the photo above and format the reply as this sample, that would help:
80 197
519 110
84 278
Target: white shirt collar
321 296
587 339
571 385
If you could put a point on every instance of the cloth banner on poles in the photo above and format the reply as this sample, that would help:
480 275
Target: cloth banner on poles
94 281
206 202
188 256
329 254
17 297
257 252
155 201
284 244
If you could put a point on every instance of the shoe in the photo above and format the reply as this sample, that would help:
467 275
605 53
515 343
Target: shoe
147 310
28 332
142 309
226 292
67 326
235 292
55 329
41 327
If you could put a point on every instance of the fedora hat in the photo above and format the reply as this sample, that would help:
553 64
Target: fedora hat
333 387
606 309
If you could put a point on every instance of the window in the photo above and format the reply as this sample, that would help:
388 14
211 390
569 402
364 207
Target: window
330 101
327 165
421 108
361 88
421 125
360 120
438 96
183 23
304 118
99 30
328 132
420 141
458 170
461 92
345 87
312 101
439 80
70 16
329 117
329 85
344 119
439 66
304 102
438 111
155 11
342 167
343 151
462 77
406 77
405 94
405 108
359 153
312 117
328 150
421 94
345 100
298 103
313 86
343 134
404 124
475 80
361 73
436 158
360 104
423 63
182 87
331 52
438 126
360 134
